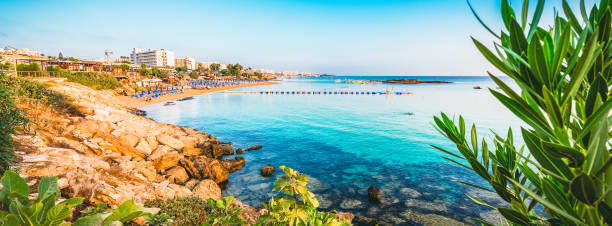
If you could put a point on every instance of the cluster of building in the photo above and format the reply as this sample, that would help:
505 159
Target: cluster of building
161 58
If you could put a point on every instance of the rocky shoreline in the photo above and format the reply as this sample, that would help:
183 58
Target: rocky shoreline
108 153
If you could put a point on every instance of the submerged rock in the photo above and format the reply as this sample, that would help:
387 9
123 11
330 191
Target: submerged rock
375 195
267 170
429 219
351 204
254 148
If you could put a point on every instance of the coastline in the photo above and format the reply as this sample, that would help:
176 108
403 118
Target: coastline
134 103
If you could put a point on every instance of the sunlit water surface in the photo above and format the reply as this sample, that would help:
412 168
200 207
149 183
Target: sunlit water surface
346 143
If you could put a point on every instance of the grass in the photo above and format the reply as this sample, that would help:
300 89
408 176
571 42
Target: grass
99 81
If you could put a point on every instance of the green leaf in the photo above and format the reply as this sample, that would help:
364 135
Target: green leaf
492 58
536 18
46 187
57 214
583 188
480 20
605 211
597 117
548 204
575 157
513 216
125 212
95 219
13 184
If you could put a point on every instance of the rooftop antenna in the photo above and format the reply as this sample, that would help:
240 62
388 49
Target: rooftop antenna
108 53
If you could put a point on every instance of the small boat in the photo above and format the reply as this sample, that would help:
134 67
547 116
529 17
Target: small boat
477 87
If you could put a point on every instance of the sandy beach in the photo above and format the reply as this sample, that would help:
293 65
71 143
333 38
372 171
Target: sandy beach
131 102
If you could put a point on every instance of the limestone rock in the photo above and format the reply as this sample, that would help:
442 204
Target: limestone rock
234 165
165 162
191 184
170 142
189 142
152 141
177 175
239 151
267 170
205 168
207 189
187 151
144 147
159 152
130 139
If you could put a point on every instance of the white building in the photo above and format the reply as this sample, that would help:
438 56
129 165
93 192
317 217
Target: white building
158 58
188 62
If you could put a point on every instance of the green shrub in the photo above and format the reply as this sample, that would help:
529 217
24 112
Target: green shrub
18 209
196 211
94 80
159 219
221 212
183 211
295 205
37 93
564 74
11 119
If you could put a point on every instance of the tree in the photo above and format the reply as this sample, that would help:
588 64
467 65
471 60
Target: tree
179 69
124 68
215 67
564 74
194 75
28 67
143 66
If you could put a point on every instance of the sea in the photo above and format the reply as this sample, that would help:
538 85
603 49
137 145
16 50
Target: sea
347 143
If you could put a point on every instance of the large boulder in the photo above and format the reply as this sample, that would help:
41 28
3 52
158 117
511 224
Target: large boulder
375 195
159 152
189 142
177 175
234 165
167 161
144 147
152 141
216 151
171 142
187 151
130 139
267 170
227 149
205 168
207 189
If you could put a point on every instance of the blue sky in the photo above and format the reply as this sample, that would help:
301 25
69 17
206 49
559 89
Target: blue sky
358 37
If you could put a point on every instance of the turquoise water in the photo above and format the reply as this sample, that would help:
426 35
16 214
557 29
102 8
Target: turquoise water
348 142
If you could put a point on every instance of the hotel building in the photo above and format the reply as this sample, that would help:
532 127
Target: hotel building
157 58
187 62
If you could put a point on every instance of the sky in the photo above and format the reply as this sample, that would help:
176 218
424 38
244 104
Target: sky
342 37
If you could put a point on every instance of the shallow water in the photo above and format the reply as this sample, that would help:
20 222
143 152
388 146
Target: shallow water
348 142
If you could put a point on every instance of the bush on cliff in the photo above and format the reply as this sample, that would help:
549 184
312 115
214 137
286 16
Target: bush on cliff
32 92
564 73
99 81
11 118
